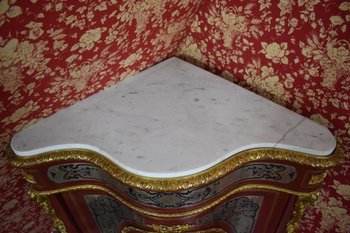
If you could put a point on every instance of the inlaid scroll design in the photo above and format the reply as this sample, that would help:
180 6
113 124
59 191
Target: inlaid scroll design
239 212
274 172
108 213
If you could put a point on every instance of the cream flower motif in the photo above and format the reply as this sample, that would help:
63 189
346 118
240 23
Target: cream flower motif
142 12
35 30
88 39
271 83
21 113
192 51
237 23
25 53
342 189
6 10
309 4
294 22
335 62
266 71
11 11
80 77
11 79
285 6
164 39
276 52
309 71
14 11
232 24
189 47
129 61
333 214
336 20
4 6
347 127
344 6
8 50
267 83
339 54
313 71
321 120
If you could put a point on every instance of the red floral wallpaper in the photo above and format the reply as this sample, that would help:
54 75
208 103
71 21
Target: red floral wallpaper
296 53
55 53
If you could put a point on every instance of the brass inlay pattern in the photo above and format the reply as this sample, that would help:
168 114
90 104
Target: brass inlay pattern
172 215
186 182
317 178
45 203
302 203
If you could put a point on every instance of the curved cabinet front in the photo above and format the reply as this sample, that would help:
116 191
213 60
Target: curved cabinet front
262 190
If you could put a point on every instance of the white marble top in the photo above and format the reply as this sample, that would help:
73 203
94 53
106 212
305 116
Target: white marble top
171 120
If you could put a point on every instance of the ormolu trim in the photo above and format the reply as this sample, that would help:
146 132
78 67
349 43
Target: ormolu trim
301 204
46 204
178 214
167 229
29 177
173 229
179 183
317 178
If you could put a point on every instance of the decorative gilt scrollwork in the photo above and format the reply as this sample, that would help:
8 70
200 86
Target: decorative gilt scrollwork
172 229
301 204
45 203
29 177
167 229
81 171
317 178
186 182
108 213
178 214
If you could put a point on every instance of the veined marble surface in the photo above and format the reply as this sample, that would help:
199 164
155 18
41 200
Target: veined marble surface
171 120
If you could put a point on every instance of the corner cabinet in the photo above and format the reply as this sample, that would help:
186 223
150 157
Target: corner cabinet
175 149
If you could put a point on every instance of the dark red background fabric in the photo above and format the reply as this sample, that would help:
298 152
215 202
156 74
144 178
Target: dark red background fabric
55 53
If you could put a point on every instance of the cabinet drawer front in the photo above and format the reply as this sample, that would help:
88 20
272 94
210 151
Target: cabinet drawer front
273 173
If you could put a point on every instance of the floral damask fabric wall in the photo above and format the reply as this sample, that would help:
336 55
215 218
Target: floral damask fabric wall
55 53
296 53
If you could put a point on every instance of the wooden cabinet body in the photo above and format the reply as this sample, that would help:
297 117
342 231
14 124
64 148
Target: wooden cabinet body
91 194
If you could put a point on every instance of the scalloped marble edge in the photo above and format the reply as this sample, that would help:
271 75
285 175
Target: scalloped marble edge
53 149
185 182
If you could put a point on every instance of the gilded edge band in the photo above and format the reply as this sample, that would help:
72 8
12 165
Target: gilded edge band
184 182
172 215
